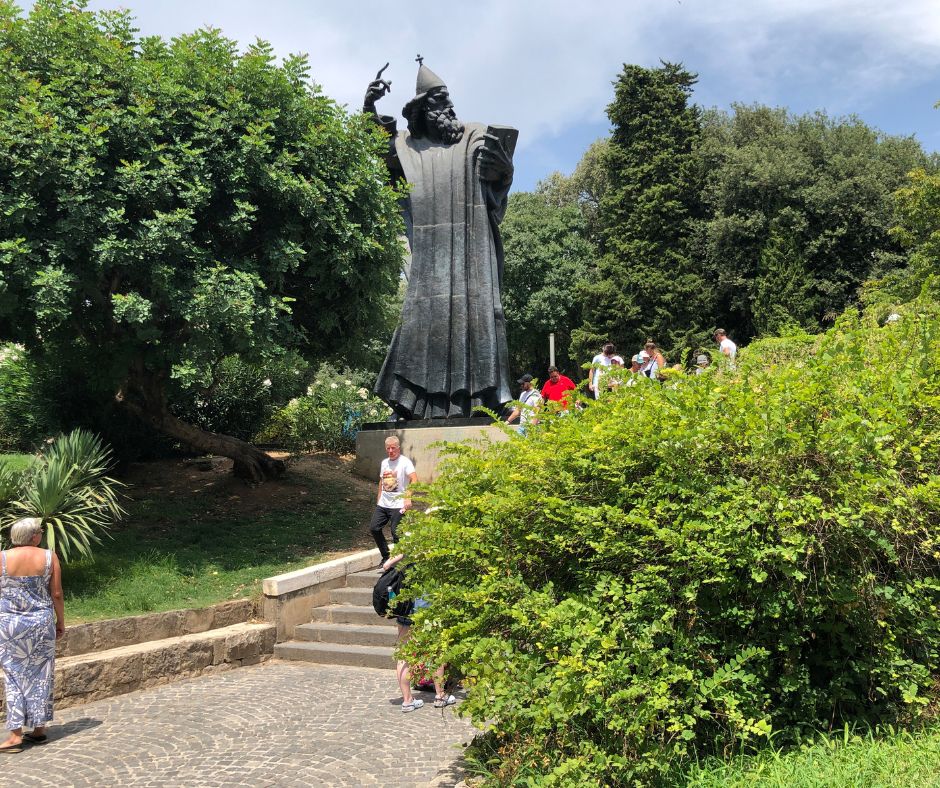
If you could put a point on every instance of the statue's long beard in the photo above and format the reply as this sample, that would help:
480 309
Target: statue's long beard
444 125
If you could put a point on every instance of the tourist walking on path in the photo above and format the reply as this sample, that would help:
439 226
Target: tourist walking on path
612 382
556 388
442 697
30 593
726 345
655 361
530 400
599 361
393 500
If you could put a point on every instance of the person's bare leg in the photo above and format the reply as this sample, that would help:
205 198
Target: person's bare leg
404 672
14 739
438 679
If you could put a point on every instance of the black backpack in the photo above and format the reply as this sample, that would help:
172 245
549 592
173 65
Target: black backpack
386 589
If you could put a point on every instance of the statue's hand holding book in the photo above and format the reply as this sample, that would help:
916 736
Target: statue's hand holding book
499 144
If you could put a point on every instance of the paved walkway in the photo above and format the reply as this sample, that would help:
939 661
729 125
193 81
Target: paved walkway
277 724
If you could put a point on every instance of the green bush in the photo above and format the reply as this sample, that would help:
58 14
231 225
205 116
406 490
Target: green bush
243 396
682 569
336 404
25 410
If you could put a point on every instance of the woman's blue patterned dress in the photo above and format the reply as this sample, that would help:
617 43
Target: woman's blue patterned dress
27 646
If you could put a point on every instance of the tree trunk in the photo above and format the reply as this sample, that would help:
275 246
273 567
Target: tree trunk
145 397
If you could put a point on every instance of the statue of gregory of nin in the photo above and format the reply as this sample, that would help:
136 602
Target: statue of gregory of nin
449 353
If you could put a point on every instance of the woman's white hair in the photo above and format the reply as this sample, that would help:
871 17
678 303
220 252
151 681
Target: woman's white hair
23 531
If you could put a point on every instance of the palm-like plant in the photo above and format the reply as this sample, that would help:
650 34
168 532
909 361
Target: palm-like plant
68 489
10 481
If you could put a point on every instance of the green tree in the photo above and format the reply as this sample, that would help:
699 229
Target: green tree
164 205
585 187
646 282
799 210
917 207
546 251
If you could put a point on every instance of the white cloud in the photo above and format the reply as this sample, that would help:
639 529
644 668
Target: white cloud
547 66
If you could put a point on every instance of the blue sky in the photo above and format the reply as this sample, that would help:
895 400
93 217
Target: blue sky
546 67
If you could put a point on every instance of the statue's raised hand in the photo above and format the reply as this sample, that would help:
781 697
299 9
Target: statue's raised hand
495 163
378 87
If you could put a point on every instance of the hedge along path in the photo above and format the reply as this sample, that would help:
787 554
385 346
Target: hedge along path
686 568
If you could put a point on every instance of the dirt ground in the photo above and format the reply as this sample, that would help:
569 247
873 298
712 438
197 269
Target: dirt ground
213 478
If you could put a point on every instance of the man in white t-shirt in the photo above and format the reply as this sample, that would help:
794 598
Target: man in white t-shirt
602 359
530 399
395 474
726 345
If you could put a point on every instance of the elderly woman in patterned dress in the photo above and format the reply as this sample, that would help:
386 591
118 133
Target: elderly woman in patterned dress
30 590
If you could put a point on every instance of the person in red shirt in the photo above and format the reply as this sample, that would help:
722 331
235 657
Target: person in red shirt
557 386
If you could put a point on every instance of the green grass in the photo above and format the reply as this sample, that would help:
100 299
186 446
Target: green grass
181 549
898 759
16 462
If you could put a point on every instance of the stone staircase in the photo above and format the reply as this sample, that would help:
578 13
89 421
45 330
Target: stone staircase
346 631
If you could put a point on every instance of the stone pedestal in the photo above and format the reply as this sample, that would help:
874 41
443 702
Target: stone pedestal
417 439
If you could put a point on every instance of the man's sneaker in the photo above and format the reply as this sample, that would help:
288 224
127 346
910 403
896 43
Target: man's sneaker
417 703
446 700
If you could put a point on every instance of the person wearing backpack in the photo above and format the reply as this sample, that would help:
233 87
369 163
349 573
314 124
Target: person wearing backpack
392 580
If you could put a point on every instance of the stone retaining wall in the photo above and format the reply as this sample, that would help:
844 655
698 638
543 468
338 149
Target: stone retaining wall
94 676
117 632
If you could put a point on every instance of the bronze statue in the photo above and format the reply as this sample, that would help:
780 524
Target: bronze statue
449 353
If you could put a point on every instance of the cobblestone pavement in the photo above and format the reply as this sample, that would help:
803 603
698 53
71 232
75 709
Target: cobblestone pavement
277 724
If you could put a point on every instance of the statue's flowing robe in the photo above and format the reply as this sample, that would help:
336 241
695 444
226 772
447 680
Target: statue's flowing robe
449 352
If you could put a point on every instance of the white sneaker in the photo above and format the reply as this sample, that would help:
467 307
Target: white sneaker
416 703
446 700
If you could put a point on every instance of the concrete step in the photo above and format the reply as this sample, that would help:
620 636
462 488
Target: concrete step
102 674
363 579
337 654
347 614
347 633
361 597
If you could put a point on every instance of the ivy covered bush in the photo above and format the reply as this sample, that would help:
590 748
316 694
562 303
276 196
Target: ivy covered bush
691 567
336 404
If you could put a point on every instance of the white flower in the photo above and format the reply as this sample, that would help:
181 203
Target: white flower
364 393
348 382
309 391
334 385
266 383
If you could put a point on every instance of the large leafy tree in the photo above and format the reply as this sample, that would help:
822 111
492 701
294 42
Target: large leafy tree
799 212
546 251
166 204
647 283
917 208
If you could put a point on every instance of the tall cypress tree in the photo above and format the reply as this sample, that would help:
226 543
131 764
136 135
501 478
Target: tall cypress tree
647 284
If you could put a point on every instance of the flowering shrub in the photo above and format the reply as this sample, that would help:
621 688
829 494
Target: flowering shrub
329 415
25 411
243 396
687 568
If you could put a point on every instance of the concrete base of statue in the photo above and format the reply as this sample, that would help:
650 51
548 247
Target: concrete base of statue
417 442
